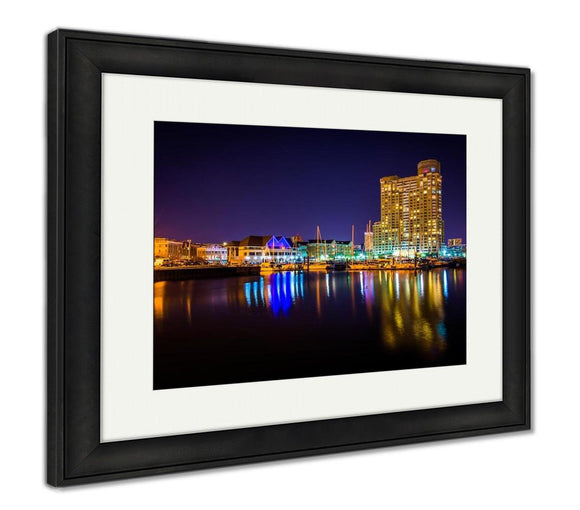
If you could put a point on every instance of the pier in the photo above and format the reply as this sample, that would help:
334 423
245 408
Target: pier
198 272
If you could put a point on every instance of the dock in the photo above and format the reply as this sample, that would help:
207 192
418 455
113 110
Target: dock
197 272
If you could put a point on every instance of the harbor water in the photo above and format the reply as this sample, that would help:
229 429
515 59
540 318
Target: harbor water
294 324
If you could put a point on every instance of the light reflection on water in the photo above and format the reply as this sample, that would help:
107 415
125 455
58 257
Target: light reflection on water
277 291
299 324
408 304
418 312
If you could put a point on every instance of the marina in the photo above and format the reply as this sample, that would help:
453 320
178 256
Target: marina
219 271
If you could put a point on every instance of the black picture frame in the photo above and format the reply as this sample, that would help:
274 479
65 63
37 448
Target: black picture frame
75 63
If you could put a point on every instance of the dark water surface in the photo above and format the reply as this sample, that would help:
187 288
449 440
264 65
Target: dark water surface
290 324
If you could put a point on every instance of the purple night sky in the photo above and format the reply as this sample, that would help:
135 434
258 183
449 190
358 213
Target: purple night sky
218 182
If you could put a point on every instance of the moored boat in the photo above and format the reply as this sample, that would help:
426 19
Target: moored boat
270 267
361 266
401 266
317 266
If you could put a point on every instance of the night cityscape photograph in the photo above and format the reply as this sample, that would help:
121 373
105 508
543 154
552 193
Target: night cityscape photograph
287 252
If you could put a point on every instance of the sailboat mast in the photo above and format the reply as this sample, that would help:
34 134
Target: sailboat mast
317 242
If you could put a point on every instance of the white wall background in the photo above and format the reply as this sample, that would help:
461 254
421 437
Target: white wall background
536 468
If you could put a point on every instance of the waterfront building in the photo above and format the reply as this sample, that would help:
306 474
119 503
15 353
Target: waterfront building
359 252
326 249
280 249
258 249
233 249
455 248
187 251
302 250
411 213
165 248
213 253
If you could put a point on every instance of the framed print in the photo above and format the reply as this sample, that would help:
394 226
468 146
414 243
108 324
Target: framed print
259 253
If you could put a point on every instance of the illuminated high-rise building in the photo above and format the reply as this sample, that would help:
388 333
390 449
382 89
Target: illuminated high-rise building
411 218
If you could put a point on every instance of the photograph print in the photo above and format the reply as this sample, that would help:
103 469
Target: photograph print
287 252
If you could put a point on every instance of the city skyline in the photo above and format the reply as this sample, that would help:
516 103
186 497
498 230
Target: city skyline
218 183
